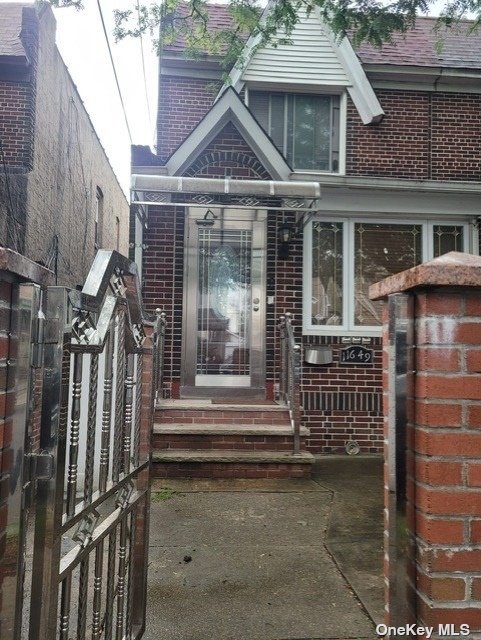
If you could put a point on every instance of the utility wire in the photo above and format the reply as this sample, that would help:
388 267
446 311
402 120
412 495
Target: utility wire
114 69
143 69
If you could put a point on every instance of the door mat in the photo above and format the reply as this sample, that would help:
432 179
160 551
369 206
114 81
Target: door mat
241 401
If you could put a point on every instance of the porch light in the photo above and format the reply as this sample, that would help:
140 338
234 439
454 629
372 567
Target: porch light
285 234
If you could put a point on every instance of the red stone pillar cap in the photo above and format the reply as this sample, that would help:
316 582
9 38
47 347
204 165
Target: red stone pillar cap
453 269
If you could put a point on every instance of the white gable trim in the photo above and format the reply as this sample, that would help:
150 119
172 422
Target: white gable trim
361 90
359 87
229 108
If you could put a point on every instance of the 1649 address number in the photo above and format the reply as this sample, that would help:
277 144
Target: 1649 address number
356 355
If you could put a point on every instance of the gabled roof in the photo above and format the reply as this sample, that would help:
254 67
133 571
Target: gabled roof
332 64
424 46
229 108
11 22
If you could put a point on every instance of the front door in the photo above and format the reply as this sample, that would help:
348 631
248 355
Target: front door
224 303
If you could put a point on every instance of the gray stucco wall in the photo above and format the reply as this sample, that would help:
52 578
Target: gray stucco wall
69 165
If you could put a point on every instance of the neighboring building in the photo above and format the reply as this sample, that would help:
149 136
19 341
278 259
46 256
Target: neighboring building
370 159
59 197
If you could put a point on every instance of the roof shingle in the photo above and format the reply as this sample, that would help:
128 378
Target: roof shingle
422 46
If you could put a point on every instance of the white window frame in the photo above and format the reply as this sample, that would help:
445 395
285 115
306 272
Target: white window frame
348 328
342 124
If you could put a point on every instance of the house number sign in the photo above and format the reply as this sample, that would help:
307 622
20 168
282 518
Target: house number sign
356 355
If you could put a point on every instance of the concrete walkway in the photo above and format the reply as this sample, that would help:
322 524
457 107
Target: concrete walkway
267 559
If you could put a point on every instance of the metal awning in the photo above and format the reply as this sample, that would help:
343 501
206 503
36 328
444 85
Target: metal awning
185 191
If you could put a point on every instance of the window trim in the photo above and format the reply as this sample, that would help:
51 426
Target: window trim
348 305
317 92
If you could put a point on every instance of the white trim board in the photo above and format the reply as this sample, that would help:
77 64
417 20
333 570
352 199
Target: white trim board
229 108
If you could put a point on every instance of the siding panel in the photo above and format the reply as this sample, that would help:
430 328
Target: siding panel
310 59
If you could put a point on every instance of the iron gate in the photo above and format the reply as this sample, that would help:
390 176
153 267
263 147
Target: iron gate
85 562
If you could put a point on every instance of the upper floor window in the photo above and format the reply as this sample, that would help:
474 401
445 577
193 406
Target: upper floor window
304 127
343 257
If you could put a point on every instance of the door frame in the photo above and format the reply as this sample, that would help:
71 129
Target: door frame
229 215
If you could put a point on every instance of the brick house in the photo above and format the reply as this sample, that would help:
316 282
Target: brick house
366 161
59 197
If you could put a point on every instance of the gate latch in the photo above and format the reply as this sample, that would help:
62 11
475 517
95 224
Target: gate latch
41 465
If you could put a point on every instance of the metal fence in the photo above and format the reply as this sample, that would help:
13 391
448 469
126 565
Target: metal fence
85 491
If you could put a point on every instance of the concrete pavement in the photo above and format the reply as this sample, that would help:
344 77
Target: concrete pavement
268 559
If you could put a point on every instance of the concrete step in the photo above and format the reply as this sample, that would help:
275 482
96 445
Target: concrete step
227 429
258 457
230 464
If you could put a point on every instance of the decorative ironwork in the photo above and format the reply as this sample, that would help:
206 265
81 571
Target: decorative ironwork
83 328
138 334
249 201
117 283
294 203
155 196
202 198
86 528
124 494
74 526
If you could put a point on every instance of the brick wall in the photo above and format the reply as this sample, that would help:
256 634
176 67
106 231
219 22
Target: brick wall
17 99
55 161
163 281
443 445
183 102
423 136
228 155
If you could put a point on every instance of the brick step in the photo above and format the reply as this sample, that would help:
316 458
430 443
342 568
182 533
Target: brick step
230 464
197 411
198 404
216 416
227 436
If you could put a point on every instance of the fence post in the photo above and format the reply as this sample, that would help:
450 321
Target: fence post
442 448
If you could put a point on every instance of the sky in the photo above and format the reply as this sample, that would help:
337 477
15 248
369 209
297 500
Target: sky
82 44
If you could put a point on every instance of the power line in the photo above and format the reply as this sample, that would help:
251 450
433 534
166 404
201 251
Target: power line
143 69
114 69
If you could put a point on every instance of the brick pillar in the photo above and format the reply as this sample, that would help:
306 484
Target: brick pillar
443 441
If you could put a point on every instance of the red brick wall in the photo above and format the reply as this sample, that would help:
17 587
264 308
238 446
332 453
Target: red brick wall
183 102
423 136
228 155
443 452
16 123
17 100
456 137
162 275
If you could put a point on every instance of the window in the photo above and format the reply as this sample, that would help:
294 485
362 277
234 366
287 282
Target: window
344 257
98 217
304 127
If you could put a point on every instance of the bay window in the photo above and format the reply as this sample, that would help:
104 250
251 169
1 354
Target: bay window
344 257
304 127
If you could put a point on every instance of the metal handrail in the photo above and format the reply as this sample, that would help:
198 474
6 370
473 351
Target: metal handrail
290 376
160 352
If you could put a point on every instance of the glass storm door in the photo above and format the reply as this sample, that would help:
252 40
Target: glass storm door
225 298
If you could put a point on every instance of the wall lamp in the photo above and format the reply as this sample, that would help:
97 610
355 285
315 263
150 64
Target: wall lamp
207 221
285 235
